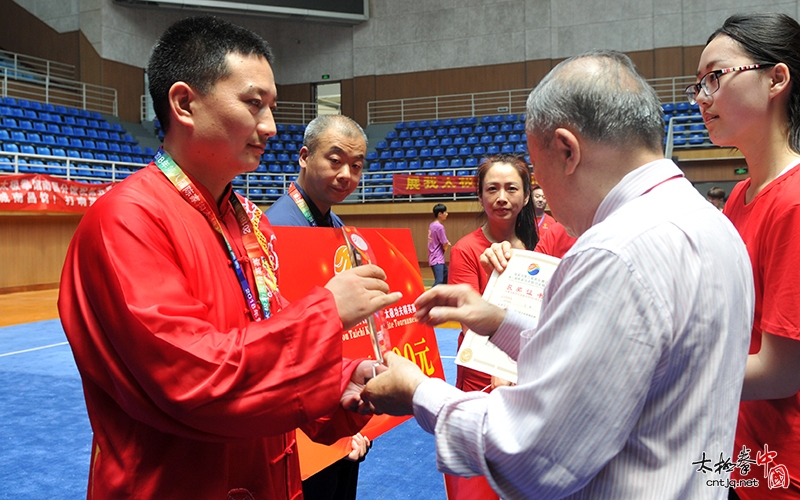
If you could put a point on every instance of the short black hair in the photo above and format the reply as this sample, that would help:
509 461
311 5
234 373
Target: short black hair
716 193
195 50
438 209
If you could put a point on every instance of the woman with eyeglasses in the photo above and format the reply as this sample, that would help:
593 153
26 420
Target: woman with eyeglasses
749 100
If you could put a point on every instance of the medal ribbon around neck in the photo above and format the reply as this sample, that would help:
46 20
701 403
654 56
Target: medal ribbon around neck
254 240
301 204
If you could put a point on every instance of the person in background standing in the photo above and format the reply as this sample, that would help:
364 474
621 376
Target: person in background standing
716 195
331 162
438 245
543 219
504 191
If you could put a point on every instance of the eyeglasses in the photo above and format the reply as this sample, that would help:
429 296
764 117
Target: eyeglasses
710 81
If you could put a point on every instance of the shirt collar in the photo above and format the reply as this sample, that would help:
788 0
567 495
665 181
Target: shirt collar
635 184
321 220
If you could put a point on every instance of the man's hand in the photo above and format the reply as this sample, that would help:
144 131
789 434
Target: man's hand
361 445
392 391
495 258
460 303
359 292
351 397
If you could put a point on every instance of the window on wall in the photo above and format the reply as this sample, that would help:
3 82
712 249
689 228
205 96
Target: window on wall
328 97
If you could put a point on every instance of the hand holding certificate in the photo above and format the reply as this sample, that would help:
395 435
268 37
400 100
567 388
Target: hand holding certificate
519 288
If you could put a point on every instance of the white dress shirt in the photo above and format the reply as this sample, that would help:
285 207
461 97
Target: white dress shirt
635 369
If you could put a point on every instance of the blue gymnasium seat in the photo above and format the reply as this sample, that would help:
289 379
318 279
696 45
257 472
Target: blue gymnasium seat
18 136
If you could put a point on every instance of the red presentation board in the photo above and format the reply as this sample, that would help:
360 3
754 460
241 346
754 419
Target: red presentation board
309 257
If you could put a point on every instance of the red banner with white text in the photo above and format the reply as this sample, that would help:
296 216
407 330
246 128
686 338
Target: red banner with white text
310 256
43 193
432 184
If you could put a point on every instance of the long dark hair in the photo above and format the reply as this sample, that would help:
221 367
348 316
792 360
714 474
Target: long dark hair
525 227
771 38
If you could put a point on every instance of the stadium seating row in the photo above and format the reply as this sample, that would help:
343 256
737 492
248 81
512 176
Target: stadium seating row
50 108
462 121
464 152
28 150
21 115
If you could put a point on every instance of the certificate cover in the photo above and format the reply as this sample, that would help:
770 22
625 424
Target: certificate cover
310 256
519 288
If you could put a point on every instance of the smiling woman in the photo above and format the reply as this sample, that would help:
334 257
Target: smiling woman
756 108
504 192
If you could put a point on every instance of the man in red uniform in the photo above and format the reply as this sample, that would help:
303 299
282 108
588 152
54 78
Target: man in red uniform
195 371
543 220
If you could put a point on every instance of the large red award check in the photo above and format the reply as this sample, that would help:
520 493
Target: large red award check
309 257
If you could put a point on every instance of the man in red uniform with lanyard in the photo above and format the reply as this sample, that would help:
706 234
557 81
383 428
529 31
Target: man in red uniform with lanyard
196 372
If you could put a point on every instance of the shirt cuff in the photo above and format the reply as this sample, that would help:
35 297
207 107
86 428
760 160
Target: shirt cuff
507 337
429 398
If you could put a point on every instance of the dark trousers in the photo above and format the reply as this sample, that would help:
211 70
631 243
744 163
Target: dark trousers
338 481
439 274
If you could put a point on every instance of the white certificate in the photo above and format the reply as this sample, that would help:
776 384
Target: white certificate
519 288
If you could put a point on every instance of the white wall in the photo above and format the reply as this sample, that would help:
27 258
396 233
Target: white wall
415 35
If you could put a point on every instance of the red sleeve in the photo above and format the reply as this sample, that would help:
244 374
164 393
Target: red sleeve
156 321
781 276
465 266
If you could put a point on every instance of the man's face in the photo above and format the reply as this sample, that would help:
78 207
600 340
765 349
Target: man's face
539 201
233 121
333 170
